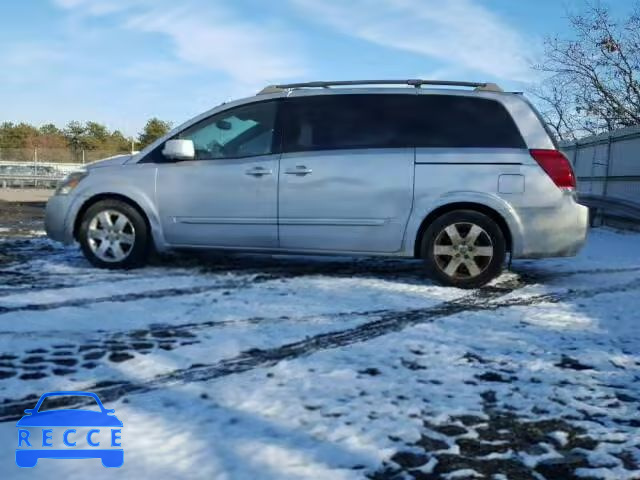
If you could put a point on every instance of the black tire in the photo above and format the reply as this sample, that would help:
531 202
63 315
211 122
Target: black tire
463 277
136 255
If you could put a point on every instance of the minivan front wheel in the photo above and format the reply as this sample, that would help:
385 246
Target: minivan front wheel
464 249
113 235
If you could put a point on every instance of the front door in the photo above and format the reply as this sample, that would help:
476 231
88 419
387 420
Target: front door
346 174
226 196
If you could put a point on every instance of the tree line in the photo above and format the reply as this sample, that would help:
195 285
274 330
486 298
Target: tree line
78 137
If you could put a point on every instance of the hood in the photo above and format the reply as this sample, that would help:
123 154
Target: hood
109 162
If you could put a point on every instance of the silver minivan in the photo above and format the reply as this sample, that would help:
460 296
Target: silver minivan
458 174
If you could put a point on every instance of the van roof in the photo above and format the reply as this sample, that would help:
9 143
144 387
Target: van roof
416 83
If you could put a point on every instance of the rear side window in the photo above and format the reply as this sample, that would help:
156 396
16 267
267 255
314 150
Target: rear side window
332 122
448 121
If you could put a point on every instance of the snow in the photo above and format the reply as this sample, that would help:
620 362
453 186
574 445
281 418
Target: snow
294 367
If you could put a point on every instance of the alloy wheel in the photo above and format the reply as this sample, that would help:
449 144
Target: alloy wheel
111 236
463 250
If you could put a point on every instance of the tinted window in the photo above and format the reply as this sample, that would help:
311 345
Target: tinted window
449 121
330 122
393 121
244 131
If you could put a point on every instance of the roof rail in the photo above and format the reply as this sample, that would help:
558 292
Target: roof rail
417 83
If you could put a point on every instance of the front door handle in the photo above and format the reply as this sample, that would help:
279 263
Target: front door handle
258 172
300 170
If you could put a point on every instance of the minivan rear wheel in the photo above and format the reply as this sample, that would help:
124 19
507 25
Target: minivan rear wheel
464 249
114 235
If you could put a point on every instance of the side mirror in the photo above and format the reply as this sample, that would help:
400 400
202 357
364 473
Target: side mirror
179 150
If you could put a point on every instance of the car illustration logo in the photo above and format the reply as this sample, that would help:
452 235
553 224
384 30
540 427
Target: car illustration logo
38 431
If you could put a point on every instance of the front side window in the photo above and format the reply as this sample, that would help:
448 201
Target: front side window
245 131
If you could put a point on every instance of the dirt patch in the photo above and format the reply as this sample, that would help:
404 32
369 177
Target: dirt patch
25 195
20 219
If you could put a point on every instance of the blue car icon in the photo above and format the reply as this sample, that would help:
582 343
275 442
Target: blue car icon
66 420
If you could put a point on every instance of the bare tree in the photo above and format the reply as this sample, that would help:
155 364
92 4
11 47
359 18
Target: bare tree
593 84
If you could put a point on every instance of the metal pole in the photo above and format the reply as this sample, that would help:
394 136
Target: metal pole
83 156
608 171
35 165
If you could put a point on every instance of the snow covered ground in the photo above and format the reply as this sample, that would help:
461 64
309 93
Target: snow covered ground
261 367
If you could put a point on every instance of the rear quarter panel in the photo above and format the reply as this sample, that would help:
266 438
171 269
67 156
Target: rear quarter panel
523 197
533 213
444 177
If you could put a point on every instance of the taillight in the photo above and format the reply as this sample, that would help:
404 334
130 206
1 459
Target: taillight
557 166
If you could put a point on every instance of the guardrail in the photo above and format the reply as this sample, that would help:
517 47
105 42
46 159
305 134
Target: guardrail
26 174
611 207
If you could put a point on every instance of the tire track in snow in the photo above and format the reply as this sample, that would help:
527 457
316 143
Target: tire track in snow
254 358
532 276
486 299
388 322
133 296
26 280
15 282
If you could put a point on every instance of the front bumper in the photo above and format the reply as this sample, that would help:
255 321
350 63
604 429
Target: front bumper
554 232
58 222
111 458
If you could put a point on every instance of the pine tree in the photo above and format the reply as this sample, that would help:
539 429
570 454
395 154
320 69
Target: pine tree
154 129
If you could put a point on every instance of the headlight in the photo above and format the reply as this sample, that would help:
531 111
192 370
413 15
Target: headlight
70 183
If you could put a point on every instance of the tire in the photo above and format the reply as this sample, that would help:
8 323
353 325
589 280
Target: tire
450 258
123 229
112 459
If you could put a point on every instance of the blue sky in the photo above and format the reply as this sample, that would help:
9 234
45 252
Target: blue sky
120 62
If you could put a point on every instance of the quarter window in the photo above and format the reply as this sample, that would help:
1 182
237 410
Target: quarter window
244 131
455 121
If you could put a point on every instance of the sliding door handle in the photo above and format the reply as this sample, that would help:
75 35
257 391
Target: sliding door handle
258 172
300 170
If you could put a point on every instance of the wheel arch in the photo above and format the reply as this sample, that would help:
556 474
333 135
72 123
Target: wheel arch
450 207
109 196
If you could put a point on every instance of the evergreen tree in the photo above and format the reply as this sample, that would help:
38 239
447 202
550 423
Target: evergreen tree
118 142
75 135
154 129
96 136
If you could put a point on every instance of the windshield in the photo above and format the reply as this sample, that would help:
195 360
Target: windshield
57 402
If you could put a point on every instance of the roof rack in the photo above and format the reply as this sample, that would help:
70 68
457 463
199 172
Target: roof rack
417 83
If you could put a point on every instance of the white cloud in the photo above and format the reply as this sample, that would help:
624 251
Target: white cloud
91 7
217 40
207 34
459 33
32 55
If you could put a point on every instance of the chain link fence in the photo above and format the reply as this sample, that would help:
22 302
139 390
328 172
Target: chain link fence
54 155
43 167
